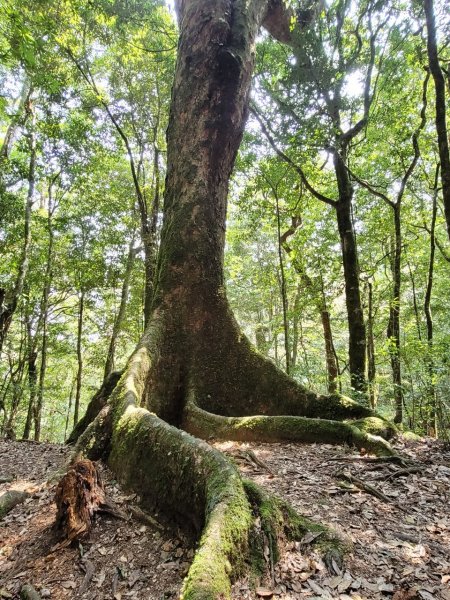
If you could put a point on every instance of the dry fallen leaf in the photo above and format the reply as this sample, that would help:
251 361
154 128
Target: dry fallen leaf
263 592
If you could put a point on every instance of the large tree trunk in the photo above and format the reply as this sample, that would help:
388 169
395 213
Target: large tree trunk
193 368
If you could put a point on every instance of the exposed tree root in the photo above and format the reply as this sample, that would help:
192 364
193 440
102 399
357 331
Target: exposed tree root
196 484
280 428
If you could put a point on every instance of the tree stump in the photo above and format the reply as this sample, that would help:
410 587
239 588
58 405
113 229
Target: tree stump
79 496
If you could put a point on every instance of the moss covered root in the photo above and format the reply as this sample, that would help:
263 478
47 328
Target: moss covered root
279 521
280 428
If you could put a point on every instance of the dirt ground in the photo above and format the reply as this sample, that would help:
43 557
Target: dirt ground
400 540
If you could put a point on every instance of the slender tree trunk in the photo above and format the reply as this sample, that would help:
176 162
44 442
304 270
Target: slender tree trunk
441 125
8 306
432 413
79 359
118 321
415 305
371 372
295 325
393 331
320 302
32 356
284 297
69 406
44 320
355 316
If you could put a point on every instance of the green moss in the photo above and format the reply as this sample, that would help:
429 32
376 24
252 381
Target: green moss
410 436
280 428
280 521
376 425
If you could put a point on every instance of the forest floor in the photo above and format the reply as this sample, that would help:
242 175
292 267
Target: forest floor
401 541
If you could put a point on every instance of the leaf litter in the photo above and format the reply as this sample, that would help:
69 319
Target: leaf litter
400 536
144 557
401 547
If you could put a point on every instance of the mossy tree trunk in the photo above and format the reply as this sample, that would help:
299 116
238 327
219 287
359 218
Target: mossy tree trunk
193 370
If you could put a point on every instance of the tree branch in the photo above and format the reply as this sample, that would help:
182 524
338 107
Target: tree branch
290 162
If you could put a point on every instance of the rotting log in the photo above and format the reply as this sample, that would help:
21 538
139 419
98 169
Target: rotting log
10 499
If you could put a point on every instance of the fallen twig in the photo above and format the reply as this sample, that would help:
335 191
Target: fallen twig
400 473
144 517
398 460
362 485
90 570
257 461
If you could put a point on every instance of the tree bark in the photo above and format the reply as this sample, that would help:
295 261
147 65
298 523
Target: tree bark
355 316
44 320
393 330
440 106
371 371
432 413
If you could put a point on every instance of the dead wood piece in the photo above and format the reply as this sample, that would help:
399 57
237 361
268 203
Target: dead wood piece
10 499
144 517
89 572
398 460
29 593
362 485
401 473
79 496
6 478
259 462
